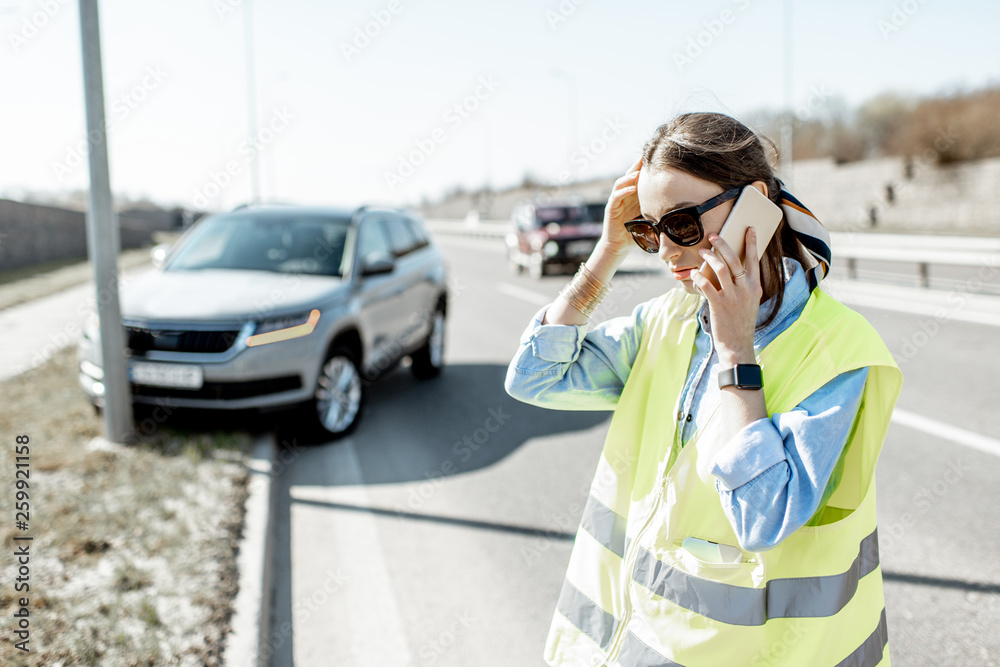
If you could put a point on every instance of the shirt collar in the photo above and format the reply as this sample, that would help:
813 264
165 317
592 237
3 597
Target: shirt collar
796 294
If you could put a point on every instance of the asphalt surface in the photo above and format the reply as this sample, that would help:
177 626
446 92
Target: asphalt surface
438 533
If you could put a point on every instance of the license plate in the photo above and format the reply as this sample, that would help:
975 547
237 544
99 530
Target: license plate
580 247
166 375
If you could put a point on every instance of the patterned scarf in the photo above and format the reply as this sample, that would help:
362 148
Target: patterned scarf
811 233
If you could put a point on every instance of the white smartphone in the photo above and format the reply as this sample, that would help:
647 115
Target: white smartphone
751 209
712 552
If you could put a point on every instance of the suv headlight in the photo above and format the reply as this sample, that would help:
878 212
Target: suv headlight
284 328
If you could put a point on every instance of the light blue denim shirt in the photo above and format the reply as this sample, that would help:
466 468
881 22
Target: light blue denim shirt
772 475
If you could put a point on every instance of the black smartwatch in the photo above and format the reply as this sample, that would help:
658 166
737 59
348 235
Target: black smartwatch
743 376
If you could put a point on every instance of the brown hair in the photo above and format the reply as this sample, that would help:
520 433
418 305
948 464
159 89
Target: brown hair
717 148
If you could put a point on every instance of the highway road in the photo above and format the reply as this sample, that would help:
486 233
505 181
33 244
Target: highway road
438 533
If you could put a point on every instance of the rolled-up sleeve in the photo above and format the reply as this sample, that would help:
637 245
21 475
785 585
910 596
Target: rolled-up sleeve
774 473
568 368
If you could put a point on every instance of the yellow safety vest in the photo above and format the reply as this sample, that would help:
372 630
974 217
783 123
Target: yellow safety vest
634 597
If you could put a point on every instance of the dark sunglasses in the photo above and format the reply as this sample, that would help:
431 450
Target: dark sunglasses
682 226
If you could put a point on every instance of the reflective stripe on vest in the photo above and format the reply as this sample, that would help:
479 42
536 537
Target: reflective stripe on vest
637 653
586 615
604 525
796 597
870 653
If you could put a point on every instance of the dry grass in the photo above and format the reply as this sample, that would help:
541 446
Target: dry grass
952 126
133 558
957 127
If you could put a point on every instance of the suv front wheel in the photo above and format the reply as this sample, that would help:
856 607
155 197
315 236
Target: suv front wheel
339 395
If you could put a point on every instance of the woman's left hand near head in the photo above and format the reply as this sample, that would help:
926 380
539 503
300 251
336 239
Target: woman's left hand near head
734 305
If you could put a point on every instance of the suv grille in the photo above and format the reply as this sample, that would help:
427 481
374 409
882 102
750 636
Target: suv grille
142 340
223 391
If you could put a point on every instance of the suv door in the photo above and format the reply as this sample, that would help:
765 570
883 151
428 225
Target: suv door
418 267
383 310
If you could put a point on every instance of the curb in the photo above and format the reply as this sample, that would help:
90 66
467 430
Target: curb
251 621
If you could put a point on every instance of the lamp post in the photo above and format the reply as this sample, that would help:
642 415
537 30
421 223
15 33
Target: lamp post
788 117
248 40
278 78
573 115
103 242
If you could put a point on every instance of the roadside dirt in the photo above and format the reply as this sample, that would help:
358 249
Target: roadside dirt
132 560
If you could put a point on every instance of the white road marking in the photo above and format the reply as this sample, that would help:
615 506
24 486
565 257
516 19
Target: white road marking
361 623
958 305
959 436
528 295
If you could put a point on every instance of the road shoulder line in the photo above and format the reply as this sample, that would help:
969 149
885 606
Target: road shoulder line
959 305
531 296
959 436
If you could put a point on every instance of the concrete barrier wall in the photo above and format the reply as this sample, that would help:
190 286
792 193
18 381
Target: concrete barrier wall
888 195
925 198
31 233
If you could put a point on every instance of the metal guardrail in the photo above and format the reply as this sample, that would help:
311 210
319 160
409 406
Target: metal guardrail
920 249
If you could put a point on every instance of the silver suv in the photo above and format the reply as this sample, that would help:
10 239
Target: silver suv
270 306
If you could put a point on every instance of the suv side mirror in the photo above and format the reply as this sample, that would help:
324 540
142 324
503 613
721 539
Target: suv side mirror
159 253
377 263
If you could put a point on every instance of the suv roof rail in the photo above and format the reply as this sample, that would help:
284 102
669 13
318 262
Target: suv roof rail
256 204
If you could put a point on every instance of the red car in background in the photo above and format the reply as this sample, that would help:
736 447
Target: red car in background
552 234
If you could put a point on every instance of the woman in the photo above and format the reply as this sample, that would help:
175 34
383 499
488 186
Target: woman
731 520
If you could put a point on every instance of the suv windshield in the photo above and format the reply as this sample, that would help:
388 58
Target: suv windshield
564 215
280 242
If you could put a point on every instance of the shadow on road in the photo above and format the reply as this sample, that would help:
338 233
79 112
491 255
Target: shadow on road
411 430
460 421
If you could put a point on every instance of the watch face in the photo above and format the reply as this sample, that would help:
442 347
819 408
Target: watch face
749 375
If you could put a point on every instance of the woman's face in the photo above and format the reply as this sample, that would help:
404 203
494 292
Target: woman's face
665 189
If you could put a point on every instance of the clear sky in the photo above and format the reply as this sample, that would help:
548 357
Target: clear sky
438 92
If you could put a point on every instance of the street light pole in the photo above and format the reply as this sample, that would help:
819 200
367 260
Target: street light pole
572 130
103 242
788 117
251 100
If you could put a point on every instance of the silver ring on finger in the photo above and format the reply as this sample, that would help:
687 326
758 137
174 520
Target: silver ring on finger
739 275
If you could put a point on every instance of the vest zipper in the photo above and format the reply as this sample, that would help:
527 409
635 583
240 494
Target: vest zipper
629 563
